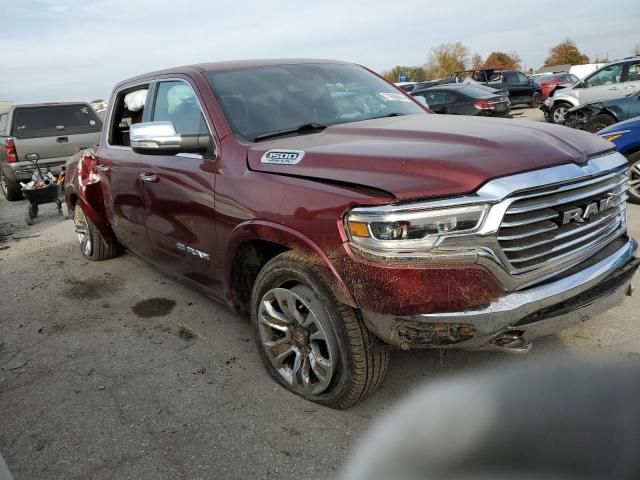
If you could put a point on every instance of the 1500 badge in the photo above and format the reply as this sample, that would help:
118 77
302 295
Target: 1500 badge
282 157
196 253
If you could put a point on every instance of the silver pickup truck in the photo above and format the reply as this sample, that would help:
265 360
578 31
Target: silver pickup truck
47 132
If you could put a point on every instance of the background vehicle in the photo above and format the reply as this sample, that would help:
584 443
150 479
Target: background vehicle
582 71
50 132
522 89
626 136
461 99
346 220
550 82
595 116
612 81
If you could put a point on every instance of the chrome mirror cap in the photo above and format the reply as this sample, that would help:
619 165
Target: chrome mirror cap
158 136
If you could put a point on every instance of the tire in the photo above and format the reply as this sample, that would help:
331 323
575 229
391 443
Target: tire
10 188
92 244
28 215
535 100
342 347
634 178
598 122
558 111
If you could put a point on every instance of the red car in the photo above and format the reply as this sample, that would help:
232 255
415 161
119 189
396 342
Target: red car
550 83
329 206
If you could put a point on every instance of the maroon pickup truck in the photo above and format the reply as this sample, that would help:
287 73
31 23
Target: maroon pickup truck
346 220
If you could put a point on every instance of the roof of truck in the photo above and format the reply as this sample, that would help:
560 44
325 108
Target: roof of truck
230 65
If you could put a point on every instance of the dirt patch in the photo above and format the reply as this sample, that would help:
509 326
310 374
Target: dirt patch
153 307
89 289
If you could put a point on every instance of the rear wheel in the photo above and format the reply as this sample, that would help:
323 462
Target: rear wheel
558 111
10 188
598 122
535 100
634 178
310 343
92 244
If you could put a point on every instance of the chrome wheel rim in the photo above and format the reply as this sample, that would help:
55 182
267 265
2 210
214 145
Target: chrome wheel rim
558 114
634 179
82 230
3 184
297 337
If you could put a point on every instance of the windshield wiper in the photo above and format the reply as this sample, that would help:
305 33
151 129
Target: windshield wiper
304 128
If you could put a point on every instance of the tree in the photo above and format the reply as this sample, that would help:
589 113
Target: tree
503 61
565 53
636 50
476 61
414 74
97 100
446 59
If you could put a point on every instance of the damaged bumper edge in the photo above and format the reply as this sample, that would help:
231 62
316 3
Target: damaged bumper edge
525 314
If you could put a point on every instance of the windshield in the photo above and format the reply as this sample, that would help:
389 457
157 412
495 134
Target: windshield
265 100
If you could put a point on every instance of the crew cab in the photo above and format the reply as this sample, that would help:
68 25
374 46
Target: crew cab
46 132
347 220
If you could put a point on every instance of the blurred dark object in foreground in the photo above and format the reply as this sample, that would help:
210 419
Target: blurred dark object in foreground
557 419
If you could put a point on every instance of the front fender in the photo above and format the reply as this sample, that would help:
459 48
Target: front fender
291 239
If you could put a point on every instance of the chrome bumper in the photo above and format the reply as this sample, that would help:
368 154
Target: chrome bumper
533 312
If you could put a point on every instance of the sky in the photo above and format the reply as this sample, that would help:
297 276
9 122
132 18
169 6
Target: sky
67 50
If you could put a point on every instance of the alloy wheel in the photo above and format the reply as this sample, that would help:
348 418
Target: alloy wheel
634 180
3 185
297 337
82 230
558 114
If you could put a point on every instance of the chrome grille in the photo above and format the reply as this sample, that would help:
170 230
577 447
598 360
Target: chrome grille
533 233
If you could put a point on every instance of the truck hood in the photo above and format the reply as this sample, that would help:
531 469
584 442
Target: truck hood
428 155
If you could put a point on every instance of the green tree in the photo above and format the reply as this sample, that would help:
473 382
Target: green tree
97 100
565 53
503 61
414 74
446 59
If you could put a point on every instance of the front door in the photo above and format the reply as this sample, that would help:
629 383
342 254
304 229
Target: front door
119 169
604 84
179 192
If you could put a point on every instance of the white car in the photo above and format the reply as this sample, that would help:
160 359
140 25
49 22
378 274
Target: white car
614 80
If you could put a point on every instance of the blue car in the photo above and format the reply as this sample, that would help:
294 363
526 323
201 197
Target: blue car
626 136
595 116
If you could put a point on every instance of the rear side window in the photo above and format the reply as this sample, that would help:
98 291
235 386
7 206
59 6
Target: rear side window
633 73
439 98
54 120
3 123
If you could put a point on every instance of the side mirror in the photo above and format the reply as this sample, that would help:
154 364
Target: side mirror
421 100
161 138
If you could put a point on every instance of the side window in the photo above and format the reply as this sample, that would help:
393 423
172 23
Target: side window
439 98
3 123
633 72
176 102
127 110
607 76
521 78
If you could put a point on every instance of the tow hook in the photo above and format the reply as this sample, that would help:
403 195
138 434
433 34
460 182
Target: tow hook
512 342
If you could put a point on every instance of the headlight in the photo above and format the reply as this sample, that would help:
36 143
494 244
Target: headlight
390 230
613 135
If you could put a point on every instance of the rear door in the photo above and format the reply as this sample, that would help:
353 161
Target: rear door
54 132
119 168
631 79
604 84
179 190
439 101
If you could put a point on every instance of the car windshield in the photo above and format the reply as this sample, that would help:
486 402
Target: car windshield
262 101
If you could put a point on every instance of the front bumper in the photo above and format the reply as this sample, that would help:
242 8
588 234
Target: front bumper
529 313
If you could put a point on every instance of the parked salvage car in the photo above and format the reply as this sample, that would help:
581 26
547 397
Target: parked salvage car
461 99
595 116
612 81
47 132
626 136
345 231
549 83
522 89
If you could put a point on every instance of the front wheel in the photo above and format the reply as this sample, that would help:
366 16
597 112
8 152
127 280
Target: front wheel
92 244
558 111
598 122
310 343
634 178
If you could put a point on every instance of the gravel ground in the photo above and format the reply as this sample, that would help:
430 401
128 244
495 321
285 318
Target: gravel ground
96 383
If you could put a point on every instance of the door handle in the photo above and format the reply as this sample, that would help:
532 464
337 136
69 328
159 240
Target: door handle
62 139
104 168
614 88
148 177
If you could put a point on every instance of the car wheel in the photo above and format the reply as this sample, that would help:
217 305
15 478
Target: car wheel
535 100
10 188
598 122
558 112
634 178
310 343
92 244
